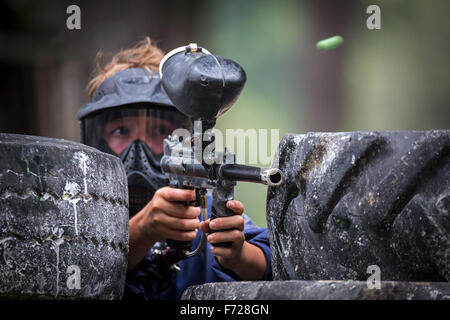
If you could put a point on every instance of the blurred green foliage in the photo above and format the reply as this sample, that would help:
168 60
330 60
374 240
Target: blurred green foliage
398 78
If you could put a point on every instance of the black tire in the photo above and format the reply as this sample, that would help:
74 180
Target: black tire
351 200
63 220
317 290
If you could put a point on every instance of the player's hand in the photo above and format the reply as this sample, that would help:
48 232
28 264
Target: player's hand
162 218
233 232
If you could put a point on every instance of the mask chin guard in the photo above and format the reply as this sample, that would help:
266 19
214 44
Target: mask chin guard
144 174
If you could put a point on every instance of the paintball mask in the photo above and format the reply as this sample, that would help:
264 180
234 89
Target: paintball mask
130 115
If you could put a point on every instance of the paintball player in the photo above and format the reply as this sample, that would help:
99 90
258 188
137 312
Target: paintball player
129 116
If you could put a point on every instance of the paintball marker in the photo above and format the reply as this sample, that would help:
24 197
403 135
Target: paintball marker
203 86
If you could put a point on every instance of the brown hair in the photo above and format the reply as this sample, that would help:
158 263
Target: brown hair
143 55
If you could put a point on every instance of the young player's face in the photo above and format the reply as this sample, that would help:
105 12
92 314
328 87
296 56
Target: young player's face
121 132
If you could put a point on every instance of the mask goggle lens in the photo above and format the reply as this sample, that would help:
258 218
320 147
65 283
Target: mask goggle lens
112 130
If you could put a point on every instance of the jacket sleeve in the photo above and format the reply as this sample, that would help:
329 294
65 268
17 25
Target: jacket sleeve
139 285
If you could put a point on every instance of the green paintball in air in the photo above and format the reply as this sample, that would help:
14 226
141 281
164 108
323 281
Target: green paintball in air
330 43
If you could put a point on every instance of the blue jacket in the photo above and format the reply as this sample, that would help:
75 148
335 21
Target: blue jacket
199 269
